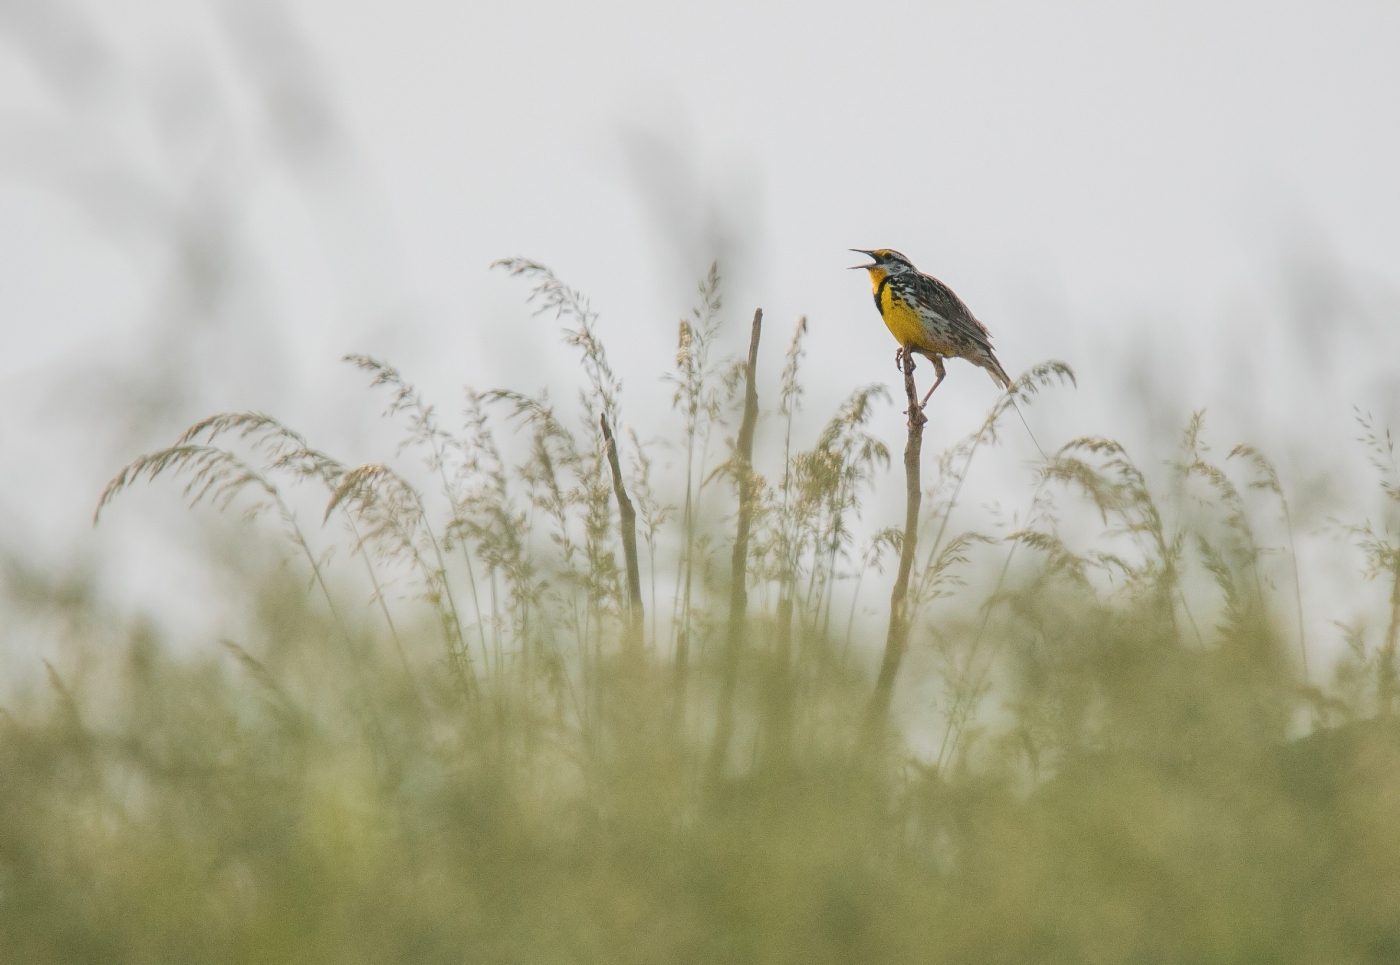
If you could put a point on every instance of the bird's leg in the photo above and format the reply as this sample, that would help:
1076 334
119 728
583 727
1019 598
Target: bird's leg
899 358
937 367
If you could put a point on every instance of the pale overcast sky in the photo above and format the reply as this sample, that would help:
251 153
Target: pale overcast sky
1096 161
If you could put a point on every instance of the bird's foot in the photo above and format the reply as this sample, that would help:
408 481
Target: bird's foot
899 358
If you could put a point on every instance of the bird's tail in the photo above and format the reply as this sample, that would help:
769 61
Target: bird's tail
997 373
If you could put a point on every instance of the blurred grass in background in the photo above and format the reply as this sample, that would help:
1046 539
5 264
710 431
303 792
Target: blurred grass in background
1119 774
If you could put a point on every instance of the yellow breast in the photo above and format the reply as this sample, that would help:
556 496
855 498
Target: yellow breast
901 319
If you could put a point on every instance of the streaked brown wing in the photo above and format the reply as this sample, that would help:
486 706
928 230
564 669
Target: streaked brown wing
940 299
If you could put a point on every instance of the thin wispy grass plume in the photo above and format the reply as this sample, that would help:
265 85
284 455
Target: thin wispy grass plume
570 695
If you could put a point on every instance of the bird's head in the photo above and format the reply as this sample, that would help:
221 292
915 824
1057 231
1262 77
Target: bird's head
886 261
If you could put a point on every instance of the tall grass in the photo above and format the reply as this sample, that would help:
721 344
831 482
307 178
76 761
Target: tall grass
522 763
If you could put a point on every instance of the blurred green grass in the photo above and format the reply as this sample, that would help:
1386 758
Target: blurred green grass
1120 779
205 817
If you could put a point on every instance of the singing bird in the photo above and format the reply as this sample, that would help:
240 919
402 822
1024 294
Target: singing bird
926 317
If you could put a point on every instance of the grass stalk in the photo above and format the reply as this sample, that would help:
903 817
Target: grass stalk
627 517
738 580
897 638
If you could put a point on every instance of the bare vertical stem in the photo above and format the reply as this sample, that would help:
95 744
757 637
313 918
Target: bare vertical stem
627 516
738 580
897 640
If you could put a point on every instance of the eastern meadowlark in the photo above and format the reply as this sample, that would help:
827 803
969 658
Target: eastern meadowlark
927 318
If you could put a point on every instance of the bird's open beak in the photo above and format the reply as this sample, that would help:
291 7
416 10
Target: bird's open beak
862 251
